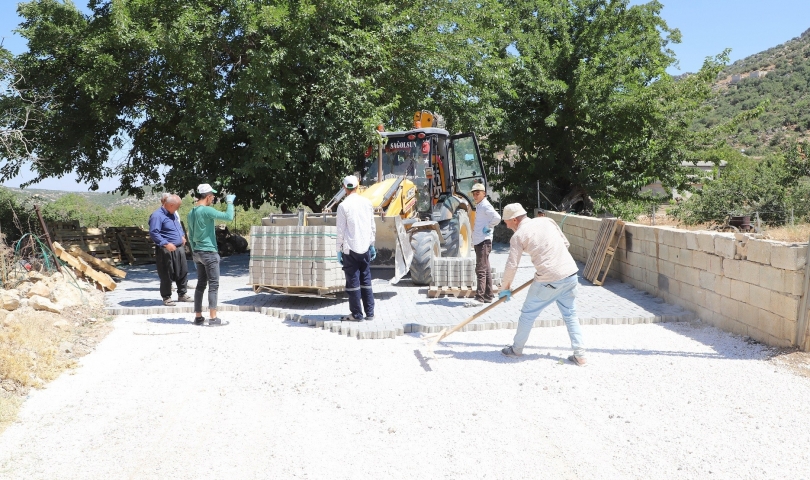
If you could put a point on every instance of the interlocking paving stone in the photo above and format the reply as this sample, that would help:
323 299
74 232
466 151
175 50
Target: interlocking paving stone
399 309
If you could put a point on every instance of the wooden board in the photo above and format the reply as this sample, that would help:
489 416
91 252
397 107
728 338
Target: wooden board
96 263
604 247
83 268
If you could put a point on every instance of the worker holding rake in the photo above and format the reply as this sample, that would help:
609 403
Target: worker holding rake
555 279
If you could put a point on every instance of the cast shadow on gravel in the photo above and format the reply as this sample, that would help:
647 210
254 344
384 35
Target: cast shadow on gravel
731 353
171 321
142 302
494 356
445 302
727 345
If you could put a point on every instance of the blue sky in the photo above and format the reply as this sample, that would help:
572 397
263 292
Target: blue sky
707 27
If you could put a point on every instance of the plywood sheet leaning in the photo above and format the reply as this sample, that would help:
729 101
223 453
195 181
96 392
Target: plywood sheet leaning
604 247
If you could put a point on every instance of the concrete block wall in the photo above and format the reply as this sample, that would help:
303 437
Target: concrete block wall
292 256
738 283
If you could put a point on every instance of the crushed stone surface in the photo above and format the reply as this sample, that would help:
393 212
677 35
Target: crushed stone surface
267 398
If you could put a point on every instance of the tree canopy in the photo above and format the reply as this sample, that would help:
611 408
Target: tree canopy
591 107
276 100
272 100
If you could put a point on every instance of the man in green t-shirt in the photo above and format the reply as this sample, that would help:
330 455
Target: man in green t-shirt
203 240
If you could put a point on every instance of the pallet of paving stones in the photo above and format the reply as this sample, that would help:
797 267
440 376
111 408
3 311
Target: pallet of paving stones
299 291
295 260
95 241
604 248
136 246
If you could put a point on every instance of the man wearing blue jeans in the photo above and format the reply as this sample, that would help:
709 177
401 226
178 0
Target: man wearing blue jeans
355 249
555 278
203 239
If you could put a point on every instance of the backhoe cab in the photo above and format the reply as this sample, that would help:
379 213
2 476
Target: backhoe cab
422 176
429 174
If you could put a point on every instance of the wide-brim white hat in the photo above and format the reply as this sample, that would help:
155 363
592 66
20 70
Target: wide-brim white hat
513 210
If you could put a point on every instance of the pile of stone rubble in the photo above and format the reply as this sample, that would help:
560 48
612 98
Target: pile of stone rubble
48 292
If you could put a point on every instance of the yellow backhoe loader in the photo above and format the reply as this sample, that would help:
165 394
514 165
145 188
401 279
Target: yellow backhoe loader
418 182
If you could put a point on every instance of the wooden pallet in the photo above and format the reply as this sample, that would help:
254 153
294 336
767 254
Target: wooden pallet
299 291
69 225
95 241
458 292
604 248
136 246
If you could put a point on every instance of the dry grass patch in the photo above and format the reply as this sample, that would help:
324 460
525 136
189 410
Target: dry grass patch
36 347
796 234
29 349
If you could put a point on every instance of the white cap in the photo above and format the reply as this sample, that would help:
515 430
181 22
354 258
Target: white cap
204 188
477 187
513 210
351 182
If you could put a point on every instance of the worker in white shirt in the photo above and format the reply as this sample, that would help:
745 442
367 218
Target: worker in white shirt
486 217
555 277
355 249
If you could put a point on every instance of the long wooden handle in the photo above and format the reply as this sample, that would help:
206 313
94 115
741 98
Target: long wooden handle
484 310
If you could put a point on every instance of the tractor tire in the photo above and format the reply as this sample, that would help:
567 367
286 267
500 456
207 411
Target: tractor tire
457 234
426 247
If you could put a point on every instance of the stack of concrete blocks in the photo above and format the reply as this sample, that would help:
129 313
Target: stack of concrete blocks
459 273
454 272
292 256
737 282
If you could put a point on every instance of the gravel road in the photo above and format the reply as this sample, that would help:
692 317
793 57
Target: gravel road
263 398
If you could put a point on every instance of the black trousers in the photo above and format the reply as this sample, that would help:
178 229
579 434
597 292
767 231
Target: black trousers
482 271
172 268
357 269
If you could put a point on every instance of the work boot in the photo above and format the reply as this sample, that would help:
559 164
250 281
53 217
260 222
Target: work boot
578 360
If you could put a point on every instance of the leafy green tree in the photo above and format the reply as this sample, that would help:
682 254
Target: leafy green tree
769 187
271 100
591 108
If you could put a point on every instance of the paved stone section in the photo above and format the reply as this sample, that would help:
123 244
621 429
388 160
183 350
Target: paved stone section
402 308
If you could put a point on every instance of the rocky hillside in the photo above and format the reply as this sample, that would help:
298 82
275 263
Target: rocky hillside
103 200
780 74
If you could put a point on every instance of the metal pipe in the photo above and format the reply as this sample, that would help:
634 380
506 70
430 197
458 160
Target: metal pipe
379 164
47 237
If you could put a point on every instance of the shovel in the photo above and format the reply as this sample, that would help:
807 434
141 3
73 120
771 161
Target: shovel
433 340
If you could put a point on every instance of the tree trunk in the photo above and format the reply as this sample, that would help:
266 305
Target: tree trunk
575 196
